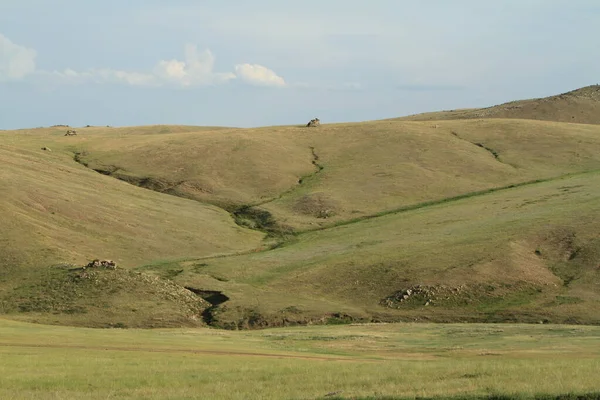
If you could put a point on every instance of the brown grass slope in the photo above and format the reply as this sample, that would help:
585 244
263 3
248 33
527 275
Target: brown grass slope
578 106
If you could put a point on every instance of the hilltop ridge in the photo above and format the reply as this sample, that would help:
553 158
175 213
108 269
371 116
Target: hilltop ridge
577 106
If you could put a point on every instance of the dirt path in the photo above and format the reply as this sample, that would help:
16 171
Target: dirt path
187 351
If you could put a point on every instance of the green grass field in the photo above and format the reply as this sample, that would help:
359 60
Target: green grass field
354 362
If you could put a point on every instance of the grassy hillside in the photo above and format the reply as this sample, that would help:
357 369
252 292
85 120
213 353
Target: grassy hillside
55 211
527 254
578 106
462 220
307 178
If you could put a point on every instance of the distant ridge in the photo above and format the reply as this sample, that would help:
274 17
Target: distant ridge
578 106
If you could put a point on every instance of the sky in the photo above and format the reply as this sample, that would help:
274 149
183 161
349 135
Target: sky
272 62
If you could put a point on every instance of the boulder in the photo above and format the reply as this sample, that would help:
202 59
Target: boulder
313 123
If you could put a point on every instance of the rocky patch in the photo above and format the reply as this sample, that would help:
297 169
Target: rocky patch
318 205
106 264
422 295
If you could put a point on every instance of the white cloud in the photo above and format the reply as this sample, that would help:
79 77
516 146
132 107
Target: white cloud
255 74
16 61
197 69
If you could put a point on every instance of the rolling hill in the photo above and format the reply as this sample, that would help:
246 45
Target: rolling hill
472 218
580 106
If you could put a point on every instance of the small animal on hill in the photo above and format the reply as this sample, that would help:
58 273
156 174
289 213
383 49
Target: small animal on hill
71 132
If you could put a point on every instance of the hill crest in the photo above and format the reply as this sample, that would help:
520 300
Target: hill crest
576 106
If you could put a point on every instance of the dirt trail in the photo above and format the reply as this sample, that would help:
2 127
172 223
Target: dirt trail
187 351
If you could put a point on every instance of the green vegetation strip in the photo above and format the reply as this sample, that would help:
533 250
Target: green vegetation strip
445 200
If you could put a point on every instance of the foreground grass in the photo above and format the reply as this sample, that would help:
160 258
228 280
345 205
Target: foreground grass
363 361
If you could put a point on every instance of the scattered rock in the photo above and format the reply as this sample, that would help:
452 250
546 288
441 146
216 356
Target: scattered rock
420 295
107 264
71 132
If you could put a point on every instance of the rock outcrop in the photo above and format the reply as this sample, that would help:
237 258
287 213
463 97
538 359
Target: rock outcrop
313 123
107 264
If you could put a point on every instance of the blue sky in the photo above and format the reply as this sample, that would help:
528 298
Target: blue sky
266 62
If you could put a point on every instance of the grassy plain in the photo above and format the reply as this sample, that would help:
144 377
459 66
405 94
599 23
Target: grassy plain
352 362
